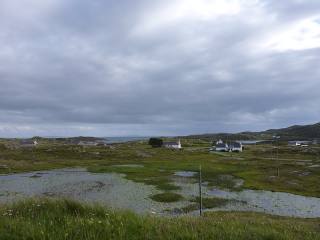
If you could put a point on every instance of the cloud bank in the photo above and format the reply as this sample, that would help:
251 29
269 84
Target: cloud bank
110 68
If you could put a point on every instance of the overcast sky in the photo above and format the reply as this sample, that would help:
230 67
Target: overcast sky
160 67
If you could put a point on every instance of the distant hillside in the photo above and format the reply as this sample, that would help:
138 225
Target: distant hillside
296 132
305 132
75 140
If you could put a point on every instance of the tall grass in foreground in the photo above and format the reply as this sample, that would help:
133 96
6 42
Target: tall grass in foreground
65 219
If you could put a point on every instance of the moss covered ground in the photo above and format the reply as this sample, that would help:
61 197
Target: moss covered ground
257 165
65 219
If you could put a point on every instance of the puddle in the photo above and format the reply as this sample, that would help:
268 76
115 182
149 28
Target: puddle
113 190
110 189
277 203
185 174
129 165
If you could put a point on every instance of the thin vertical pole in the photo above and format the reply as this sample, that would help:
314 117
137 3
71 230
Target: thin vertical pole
278 172
200 191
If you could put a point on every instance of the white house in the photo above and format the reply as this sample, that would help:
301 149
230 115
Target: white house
28 143
173 145
219 141
294 143
299 143
221 146
235 147
224 147
87 143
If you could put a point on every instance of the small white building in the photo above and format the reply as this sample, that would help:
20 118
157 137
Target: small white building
224 147
235 147
172 145
87 143
219 142
221 146
299 143
28 143
294 143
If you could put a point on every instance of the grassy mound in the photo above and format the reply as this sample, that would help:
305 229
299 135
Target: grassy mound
207 203
63 219
212 202
166 197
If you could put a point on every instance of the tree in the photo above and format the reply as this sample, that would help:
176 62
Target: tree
155 142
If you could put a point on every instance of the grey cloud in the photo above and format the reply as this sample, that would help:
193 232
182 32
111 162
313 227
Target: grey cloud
293 10
83 65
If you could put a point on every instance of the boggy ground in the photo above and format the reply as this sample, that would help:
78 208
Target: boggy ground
65 219
257 165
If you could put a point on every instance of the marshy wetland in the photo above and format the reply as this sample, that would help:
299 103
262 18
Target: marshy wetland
132 191
137 177
113 190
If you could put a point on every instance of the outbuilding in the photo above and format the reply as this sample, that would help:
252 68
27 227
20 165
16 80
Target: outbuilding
221 146
28 143
235 147
172 145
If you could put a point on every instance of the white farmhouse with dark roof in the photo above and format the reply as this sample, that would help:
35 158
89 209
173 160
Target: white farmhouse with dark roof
221 146
235 147
173 145
28 143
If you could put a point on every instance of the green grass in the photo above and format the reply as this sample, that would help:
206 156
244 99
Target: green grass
166 197
69 220
207 203
256 165
64 219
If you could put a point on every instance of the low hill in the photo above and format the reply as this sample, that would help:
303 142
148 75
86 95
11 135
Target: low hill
80 138
296 132
304 132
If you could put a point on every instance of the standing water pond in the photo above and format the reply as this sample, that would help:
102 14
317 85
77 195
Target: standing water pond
113 190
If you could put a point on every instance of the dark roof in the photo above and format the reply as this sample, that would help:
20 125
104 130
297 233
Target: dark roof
221 145
235 144
26 141
170 143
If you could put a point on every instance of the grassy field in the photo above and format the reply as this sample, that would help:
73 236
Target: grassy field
64 219
257 165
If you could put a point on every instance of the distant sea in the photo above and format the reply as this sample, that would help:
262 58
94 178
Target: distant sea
112 139
124 139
